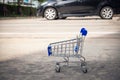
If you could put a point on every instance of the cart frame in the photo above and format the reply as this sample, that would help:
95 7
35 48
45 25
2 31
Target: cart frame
69 48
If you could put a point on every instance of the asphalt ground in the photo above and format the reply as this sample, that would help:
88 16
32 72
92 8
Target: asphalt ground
23 49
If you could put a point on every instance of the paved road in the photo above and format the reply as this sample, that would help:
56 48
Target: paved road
23 43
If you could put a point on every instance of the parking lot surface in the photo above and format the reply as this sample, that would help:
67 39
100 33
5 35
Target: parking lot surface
23 48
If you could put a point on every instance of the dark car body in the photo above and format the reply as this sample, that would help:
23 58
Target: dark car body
77 8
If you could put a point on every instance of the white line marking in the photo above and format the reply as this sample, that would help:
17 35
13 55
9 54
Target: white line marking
10 33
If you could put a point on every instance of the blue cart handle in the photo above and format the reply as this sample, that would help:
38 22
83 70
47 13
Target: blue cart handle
83 31
49 50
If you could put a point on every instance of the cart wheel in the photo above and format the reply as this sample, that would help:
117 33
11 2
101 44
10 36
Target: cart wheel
83 67
57 68
84 70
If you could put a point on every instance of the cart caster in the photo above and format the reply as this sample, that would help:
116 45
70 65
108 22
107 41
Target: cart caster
57 67
84 68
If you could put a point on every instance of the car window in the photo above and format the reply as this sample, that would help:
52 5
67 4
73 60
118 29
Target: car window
59 0
66 0
51 0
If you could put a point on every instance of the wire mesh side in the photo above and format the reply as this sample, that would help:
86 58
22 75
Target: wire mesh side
66 48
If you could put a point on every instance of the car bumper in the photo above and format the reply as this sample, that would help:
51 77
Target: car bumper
40 11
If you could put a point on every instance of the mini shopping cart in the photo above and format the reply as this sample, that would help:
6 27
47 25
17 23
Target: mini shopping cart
69 48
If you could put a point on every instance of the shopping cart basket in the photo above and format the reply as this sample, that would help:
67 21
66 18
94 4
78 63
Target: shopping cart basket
69 48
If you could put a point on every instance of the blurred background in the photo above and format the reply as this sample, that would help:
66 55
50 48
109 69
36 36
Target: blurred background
14 8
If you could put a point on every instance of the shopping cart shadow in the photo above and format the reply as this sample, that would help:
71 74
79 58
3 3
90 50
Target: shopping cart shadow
73 66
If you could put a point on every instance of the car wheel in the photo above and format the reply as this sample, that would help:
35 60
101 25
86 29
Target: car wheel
50 13
106 13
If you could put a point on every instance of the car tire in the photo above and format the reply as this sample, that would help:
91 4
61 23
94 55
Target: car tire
50 14
106 12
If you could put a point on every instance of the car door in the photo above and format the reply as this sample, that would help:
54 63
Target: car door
67 6
115 3
87 6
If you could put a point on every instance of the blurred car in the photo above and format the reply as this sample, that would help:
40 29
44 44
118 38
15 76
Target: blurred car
35 4
61 9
